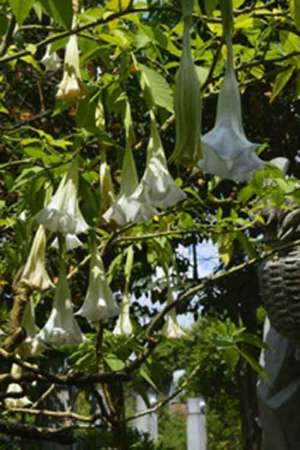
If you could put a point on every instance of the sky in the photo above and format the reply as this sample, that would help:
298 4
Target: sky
208 260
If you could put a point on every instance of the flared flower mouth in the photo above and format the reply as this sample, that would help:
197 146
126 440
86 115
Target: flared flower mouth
34 274
51 60
71 87
62 214
99 304
61 327
157 189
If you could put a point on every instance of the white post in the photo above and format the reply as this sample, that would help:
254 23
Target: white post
147 423
196 426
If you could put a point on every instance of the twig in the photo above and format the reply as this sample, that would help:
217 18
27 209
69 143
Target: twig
58 414
76 30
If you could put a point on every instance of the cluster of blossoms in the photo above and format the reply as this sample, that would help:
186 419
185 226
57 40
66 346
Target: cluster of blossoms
224 151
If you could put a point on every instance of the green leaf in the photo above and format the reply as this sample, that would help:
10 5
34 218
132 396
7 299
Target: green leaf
281 81
60 11
295 7
144 372
157 88
129 263
114 362
254 364
21 9
210 6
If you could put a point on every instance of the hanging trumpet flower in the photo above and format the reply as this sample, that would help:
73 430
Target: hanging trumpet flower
61 327
62 214
124 325
171 329
188 102
226 150
51 60
34 274
71 86
99 303
157 185
157 189
125 207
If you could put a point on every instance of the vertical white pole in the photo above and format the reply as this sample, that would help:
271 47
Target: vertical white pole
147 423
196 426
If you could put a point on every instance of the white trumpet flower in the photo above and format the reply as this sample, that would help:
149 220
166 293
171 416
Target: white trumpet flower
124 325
157 189
71 86
171 329
62 214
34 274
51 60
15 388
226 150
61 327
188 101
99 303
125 207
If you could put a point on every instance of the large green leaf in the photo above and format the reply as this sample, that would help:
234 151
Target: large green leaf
21 9
158 88
281 80
60 11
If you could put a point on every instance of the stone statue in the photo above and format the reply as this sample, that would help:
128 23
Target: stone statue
279 397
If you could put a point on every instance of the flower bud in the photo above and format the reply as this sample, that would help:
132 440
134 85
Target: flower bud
71 86
34 274
124 325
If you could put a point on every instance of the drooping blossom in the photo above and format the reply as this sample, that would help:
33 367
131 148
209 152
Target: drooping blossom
226 150
71 86
62 214
61 328
188 101
51 60
124 325
34 274
99 303
156 190
15 388
125 208
171 329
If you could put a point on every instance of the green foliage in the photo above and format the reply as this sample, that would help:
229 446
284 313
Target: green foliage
128 61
